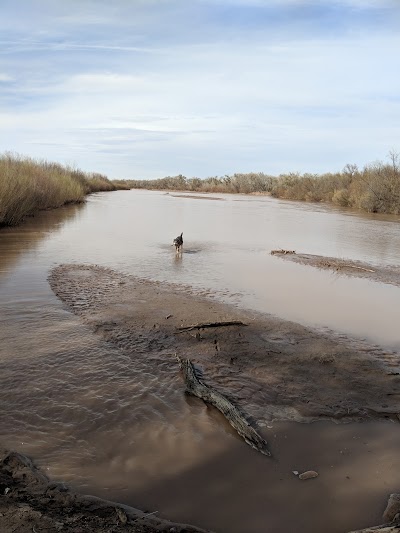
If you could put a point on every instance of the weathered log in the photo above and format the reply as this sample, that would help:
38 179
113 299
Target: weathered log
198 388
212 325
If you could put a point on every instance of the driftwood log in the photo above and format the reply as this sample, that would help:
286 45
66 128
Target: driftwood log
197 387
211 325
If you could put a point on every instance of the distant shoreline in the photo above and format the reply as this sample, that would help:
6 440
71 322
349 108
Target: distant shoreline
374 189
196 196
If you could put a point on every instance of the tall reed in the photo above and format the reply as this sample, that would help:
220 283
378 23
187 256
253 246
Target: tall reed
27 186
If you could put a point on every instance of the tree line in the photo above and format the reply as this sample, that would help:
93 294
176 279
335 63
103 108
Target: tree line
374 188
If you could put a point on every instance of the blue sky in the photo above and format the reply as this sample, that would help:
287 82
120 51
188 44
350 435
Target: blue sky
149 88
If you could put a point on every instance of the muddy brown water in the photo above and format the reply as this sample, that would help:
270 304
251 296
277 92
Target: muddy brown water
115 428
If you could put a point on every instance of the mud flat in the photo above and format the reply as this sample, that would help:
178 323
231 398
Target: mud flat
348 267
272 368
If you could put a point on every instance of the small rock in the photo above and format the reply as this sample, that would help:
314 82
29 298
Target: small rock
308 475
295 472
7 490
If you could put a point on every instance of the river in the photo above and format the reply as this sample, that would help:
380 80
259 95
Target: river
71 401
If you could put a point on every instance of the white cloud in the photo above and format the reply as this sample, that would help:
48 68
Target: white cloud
316 3
5 77
251 102
104 83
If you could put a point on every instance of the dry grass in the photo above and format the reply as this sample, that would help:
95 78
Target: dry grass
27 186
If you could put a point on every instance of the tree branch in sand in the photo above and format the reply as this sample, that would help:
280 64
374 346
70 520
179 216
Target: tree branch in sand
212 325
360 268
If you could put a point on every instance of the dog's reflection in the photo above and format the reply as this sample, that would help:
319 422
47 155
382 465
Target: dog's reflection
177 262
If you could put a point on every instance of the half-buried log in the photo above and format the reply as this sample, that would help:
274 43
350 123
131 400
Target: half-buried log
196 387
211 325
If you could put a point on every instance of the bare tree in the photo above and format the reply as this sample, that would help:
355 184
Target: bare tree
350 169
394 159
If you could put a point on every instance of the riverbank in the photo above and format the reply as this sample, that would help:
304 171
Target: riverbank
29 503
374 189
28 186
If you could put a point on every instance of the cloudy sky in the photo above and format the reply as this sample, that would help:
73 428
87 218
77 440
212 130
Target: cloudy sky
149 88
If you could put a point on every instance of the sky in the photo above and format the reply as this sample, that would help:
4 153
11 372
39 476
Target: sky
142 89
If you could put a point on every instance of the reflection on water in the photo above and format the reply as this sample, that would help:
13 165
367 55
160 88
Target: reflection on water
122 429
17 241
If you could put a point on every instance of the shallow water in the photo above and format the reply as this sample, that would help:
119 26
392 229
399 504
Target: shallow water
113 427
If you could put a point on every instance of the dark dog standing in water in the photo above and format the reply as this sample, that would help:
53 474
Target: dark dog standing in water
178 243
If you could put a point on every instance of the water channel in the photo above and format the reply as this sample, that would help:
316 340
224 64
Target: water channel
89 416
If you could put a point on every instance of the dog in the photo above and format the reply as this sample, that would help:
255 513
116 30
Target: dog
178 242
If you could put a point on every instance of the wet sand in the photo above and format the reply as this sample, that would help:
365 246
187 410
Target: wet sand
347 267
274 369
